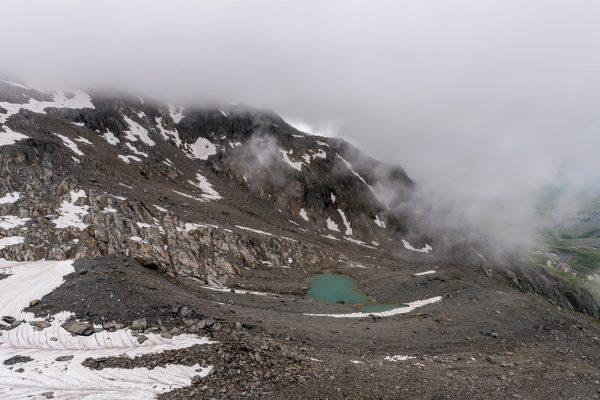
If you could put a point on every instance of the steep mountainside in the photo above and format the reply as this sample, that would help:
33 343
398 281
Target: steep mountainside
103 171
185 245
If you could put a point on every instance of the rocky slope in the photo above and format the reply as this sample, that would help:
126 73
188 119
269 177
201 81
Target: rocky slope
165 208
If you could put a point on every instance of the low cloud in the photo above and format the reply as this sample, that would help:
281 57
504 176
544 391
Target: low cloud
483 103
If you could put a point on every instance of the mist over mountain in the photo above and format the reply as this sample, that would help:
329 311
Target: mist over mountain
299 200
483 104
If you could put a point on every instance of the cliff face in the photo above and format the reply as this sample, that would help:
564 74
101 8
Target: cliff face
221 195
200 192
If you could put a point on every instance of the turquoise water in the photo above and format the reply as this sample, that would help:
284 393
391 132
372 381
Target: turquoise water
341 289
332 289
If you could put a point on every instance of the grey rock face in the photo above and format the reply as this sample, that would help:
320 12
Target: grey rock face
139 325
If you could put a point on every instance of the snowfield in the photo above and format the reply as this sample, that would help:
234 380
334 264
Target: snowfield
69 379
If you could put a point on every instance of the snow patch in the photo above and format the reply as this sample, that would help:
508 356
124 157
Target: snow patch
83 140
358 242
71 214
424 273
167 133
346 223
136 131
297 165
159 208
176 113
192 226
303 214
76 99
11 241
254 230
332 226
349 166
10 198
237 291
397 358
202 148
136 151
9 137
110 137
188 196
29 280
396 311
70 144
208 193
127 159
11 221
330 236
426 249
379 222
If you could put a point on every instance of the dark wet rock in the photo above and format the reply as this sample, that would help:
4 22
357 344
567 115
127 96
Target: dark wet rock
208 322
80 328
64 358
40 324
141 339
8 319
108 325
146 262
17 360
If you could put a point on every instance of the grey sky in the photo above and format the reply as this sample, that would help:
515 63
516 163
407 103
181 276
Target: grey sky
481 101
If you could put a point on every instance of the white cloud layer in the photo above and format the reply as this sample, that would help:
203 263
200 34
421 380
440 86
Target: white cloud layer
482 102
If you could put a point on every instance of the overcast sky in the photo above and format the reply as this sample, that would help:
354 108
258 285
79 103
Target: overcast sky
482 102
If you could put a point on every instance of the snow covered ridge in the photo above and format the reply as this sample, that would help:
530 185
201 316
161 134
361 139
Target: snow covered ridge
56 365
74 99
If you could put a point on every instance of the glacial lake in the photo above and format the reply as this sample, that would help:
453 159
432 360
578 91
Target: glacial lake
342 289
